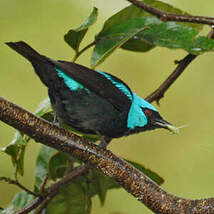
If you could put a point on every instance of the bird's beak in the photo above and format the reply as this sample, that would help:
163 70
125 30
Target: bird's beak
166 125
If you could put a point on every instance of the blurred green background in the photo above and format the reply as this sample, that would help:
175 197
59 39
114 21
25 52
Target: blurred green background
184 161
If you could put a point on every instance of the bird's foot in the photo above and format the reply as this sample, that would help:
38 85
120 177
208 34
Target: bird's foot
104 141
55 121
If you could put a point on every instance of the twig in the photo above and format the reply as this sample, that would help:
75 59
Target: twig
182 64
31 206
44 182
78 171
42 201
165 16
159 92
88 196
78 53
16 182
45 202
132 180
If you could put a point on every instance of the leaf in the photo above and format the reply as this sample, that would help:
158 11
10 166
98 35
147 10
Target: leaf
100 184
49 116
137 45
22 199
151 174
107 42
136 30
133 12
16 149
42 161
58 164
43 107
71 199
9 210
75 36
19 201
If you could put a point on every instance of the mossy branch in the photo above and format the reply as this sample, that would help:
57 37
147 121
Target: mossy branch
131 179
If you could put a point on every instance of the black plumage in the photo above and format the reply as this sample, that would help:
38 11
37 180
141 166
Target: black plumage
101 104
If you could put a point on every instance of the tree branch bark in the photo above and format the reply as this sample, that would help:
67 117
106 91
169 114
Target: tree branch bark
160 91
132 180
165 16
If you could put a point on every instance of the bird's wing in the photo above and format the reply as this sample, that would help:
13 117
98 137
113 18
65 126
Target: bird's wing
105 85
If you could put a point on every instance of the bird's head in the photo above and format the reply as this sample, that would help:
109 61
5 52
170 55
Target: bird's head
154 120
144 116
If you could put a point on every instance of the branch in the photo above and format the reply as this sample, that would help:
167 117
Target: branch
16 182
165 16
182 64
159 92
42 201
132 180
31 206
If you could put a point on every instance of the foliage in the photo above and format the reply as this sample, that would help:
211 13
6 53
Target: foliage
74 198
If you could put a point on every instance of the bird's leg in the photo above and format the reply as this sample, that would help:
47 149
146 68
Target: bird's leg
55 121
104 141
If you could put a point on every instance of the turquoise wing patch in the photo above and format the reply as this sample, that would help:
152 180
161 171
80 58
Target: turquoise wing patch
119 85
72 84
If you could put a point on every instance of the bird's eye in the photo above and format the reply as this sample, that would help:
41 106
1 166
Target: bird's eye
148 112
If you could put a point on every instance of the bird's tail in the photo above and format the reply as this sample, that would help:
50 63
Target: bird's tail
42 65
25 50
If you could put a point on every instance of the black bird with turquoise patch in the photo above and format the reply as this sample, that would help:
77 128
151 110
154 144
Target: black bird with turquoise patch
92 102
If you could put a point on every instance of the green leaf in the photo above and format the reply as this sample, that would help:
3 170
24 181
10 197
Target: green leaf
137 45
9 210
75 36
58 164
43 107
22 199
71 199
42 161
100 184
49 116
136 30
19 201
108 41
16 149
151 174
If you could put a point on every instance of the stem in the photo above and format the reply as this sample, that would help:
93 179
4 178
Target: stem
165 16
88 196
44 182
15 182
31 206
159 92
45 202
78 53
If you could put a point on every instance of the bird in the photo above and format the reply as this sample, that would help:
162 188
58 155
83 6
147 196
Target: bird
92 102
